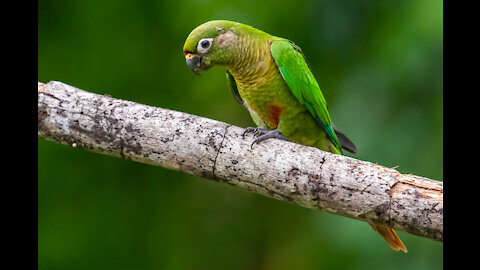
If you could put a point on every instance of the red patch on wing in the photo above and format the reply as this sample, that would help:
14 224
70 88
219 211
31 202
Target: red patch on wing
275 112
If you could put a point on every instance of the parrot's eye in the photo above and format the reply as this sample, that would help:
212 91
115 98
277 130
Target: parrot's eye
204 45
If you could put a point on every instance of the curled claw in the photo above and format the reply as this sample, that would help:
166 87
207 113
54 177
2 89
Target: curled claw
256 131
264 134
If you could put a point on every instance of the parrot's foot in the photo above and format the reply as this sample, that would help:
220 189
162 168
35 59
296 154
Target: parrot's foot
263 134
256 131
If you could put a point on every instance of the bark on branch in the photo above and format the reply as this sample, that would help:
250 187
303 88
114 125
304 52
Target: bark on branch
214 150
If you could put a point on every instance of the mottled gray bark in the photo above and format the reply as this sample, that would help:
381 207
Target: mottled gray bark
214 150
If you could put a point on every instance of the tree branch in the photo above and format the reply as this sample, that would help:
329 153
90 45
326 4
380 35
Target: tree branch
299 174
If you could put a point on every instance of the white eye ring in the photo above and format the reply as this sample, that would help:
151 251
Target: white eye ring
204 45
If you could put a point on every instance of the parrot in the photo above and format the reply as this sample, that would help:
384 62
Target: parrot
272 79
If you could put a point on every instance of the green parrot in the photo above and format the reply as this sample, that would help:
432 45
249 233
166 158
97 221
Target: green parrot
271 77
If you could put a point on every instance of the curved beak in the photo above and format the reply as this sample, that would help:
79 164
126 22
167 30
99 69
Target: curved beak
195 63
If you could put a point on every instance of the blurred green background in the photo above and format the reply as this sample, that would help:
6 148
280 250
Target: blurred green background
379 64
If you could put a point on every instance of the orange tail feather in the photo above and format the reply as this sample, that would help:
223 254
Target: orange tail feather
391 237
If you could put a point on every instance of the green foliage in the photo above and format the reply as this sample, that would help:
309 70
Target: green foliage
378 63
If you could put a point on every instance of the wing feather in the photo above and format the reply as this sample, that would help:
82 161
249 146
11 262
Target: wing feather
297 74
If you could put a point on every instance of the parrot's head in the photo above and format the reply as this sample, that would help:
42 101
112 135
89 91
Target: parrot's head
210 44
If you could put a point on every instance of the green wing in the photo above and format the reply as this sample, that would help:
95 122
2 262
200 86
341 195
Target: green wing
297 74
232 84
